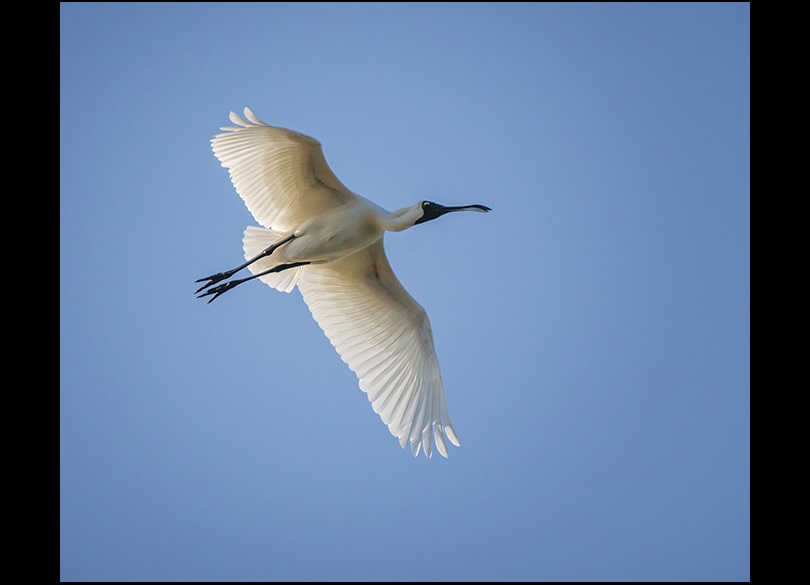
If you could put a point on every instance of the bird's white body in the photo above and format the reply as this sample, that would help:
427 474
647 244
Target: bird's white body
336 236
336 233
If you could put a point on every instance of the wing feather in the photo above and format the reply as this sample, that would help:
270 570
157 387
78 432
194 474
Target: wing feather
384 336
281 175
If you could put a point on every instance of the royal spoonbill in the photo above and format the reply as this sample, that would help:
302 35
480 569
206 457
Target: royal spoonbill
328 241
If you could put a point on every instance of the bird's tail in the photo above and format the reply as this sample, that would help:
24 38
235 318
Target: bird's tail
255 240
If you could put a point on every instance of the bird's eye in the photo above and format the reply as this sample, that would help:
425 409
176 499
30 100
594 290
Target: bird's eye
426 203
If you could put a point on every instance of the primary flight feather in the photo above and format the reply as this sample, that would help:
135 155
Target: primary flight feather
328 241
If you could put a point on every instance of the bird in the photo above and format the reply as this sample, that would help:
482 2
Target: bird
318 235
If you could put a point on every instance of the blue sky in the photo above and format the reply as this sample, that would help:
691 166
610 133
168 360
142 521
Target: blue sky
593 330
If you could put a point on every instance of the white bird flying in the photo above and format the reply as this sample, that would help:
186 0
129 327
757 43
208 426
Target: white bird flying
329 241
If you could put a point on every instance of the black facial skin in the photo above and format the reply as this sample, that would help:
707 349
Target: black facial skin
431 210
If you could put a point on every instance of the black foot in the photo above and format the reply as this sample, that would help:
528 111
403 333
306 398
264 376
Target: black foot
218 290
213 279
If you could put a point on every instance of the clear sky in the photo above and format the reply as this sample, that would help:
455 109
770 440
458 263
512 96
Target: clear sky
593 330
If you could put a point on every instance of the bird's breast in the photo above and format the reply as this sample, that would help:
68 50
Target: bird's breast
334 235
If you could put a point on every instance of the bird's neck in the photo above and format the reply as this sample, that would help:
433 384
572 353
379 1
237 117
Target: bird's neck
401 219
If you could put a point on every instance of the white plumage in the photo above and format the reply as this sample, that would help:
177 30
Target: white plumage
328 241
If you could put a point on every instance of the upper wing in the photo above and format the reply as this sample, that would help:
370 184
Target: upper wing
384 336
282 175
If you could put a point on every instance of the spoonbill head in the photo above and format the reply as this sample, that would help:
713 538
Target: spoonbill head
431 210
328 241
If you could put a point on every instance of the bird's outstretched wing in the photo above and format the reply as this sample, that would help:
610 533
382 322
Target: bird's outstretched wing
384 336
281 174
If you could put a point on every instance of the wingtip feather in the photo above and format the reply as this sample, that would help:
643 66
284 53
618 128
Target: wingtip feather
253 117
236 119
451 434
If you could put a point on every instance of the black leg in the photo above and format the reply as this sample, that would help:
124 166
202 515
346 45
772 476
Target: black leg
226 286
215 278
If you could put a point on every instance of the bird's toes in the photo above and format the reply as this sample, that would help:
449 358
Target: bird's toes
217 290
204 278
213 279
